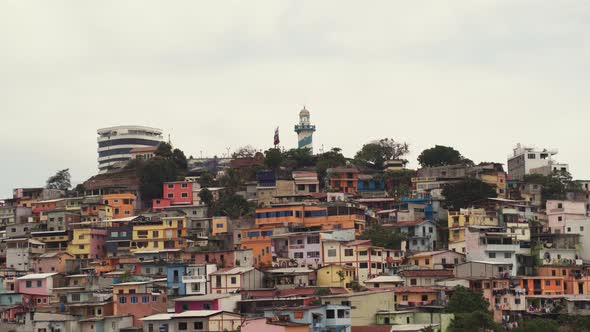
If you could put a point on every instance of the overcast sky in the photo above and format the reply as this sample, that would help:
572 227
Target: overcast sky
476 75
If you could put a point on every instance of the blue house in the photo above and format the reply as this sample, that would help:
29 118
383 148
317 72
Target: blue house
174 273
370 183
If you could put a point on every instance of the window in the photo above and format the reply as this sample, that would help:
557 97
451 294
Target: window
313 254
170 195
233 280
297 255
404 298
581 228
75 297
557 282
363 253
197 325
516 301
363 265
560 205
29 284
547 282
313 240
182 326
184 195
348 252
184 185
427 261
560 218
170 185
507 255
413 282
122 299
424 298
145 299
492 255
133 299
531 156
553 273
331 253
206 306
330 314
430 230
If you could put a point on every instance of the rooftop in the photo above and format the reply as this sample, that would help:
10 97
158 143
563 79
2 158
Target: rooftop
207 297
233 270
385 279
36 276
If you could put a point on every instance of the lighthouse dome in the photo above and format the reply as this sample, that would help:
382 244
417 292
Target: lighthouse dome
304 112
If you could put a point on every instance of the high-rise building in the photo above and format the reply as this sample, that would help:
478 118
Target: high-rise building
304 131
115 143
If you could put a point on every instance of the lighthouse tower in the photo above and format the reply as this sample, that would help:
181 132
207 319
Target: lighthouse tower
304 131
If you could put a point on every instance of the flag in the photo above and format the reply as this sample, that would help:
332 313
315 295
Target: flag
277 140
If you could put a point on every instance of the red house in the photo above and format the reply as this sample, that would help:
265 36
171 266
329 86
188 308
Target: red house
178 192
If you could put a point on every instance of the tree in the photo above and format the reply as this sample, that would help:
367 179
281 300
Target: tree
233 206
179 159
164 150
152 174
273 158
206 196
206 180
298 158
329 159
244 152
383 237
463 194
465 300
471 312
398 182
60 180
375 154
555 186
477 321
441 155
538 325
231 181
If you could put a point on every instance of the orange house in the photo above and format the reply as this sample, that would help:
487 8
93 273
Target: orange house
258 239
123 204
415 296
344 179
575 278
313 216
543 285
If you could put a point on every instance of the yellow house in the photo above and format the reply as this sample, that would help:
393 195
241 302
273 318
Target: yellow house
366 304
87 243
219 225
440 259
457 221
335 276
168 233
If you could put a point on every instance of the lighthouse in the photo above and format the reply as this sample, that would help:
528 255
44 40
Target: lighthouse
304 131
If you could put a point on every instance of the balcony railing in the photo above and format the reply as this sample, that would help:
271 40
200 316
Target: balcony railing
189 279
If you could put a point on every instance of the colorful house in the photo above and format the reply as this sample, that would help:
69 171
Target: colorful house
140 299
178 192
335 276
168 233
37 288
123 204
88 243
368 260
225 302
542 285
418 296
343 179
327 317
230 280
53 262
193 320
426 278
219 225
441 259
366 304
96 212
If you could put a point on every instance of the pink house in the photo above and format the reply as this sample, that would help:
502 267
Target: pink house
160 203
560 211
224 302
98 238
37 287
52 262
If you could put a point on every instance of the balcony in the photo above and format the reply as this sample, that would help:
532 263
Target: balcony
193 279
297 246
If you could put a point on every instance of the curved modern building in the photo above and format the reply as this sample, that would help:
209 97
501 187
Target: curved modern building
115 143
